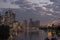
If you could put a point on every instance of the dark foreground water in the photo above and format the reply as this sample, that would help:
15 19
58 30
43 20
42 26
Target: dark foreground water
41 35
35 35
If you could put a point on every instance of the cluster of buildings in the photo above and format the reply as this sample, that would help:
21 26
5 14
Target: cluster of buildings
9 18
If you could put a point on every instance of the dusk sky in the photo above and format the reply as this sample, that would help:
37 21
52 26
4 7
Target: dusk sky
44 10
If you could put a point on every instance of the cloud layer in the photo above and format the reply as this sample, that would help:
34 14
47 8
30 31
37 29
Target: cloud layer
8 4
45 11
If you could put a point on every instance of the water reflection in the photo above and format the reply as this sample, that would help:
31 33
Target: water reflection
41 35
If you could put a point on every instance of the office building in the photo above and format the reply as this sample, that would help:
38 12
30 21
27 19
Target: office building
9 17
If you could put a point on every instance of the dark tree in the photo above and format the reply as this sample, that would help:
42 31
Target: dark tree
53 39
47 38
4 32
58 31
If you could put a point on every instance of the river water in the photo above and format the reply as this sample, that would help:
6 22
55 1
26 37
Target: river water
39 35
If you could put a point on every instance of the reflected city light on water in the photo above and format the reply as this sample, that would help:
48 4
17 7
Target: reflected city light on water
49 34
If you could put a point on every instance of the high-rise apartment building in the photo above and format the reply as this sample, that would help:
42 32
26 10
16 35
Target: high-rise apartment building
34 23
9 17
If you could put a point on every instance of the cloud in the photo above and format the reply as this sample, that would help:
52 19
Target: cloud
56 2
35 5
56 21
40 2
37 9
23 3
7 4
44 8
49 14
53 8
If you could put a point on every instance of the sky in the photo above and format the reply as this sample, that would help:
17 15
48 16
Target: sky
12 4
44 10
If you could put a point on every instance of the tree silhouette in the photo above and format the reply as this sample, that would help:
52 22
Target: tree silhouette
53 39
4 32
47 38
58 31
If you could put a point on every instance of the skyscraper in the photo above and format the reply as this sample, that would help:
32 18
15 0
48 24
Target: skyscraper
9 20
0 18
9 17
25 23
31 23
34 23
